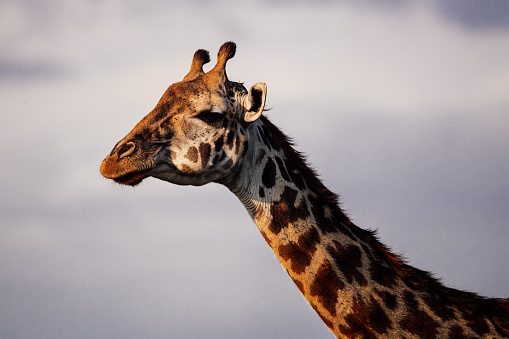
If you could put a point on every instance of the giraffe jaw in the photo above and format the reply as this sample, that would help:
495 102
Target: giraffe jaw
162 171
127 174
168 172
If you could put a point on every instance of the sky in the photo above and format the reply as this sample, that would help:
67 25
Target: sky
401 106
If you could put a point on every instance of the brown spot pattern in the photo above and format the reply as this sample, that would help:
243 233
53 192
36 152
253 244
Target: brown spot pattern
218 144
301 253
456 332
285 212
282 169
382 275
326 224
186 169
295 175
192 154
269 174
366 320
477 324
417 321
237 146
272 141
326 286
263 138
349 261
260 156
204 153
389 299
439 305
229 139
261 192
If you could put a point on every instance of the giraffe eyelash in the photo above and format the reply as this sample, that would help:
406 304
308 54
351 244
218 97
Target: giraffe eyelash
210 117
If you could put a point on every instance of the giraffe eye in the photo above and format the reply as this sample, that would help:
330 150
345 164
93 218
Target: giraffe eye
210 118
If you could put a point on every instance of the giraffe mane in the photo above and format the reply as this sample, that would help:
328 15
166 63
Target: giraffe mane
437 294
419 280
299 158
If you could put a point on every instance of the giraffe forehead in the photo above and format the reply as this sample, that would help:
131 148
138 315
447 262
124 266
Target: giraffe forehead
191 97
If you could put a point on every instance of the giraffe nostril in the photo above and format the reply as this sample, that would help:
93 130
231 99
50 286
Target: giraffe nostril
126 149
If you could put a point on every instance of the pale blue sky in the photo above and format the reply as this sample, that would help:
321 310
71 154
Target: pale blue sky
402 107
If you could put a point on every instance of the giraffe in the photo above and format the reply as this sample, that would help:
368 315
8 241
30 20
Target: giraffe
207 128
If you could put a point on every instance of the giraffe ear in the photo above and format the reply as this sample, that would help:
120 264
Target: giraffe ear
255 102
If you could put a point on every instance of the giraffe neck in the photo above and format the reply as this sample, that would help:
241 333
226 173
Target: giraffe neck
357 287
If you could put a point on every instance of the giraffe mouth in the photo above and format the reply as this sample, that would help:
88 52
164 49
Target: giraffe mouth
129 176
133 174
137 176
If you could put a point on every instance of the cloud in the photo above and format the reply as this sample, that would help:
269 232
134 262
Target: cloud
493 14
23 71
402 49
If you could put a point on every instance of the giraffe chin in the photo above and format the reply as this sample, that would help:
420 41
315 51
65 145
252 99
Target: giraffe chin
131 179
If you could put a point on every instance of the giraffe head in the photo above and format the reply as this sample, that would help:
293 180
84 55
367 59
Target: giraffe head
196 133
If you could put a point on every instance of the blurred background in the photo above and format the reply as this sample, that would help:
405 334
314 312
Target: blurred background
402 107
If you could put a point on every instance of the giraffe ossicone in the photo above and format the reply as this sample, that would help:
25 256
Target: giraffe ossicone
209 129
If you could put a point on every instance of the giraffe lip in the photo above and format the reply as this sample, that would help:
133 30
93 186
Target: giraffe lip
131 179
135 177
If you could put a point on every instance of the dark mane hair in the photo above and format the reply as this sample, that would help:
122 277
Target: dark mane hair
437 296
300 161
